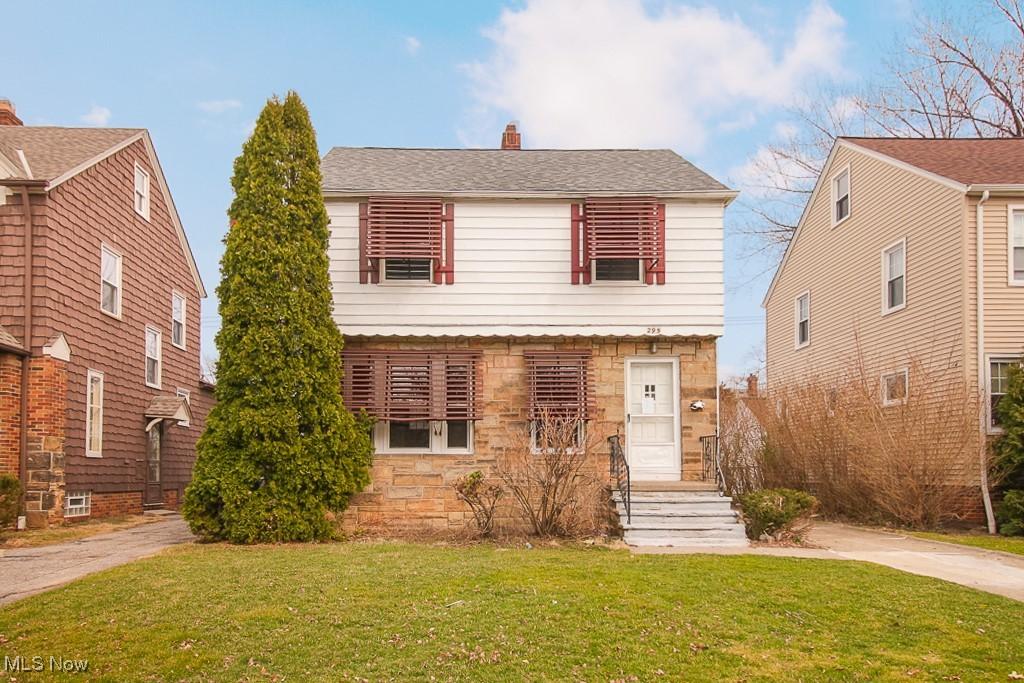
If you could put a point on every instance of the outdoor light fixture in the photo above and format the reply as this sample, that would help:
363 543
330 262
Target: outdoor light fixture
697 406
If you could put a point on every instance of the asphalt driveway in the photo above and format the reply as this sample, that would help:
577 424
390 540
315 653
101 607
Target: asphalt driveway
24 571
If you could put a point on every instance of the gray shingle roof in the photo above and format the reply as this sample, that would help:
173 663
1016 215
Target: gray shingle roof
555 171
8 339
53 151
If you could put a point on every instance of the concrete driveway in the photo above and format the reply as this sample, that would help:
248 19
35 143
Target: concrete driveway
24 571
985 570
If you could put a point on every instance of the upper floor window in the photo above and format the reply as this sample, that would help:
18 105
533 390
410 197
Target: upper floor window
998 385
841 196
894 387
1017 246
618 240
153 357
178 320
410 239
94 414
110 281
802 315
141 192
894 285
424 401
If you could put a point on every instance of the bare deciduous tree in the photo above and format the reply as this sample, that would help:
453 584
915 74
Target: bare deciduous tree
958 75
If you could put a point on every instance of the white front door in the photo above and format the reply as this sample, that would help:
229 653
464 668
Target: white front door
652 419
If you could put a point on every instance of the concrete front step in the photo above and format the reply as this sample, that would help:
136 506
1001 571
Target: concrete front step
711 507
677 518
665 541
673 496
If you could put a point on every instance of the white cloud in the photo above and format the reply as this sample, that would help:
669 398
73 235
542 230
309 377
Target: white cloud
412 44
610 73
218 106
96 116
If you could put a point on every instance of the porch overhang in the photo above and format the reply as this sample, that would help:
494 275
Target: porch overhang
167 408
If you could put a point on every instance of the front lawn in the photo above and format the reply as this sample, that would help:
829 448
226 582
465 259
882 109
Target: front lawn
410 612
1007 544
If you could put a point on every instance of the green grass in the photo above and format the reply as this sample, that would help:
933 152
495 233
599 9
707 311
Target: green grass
1008 544
412 612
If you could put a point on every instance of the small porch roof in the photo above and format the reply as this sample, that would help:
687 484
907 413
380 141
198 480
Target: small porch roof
168 408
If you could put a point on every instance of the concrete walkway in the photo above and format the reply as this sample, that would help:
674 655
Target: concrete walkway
25 571
985 570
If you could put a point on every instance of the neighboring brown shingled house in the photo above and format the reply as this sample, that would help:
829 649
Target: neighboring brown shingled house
109 330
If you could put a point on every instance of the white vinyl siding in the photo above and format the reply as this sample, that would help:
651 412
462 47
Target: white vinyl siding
802 320
895 387
178 320
94 414
894 280
110 281
141 194
513 276
154 353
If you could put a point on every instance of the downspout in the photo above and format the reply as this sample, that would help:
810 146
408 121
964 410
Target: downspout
26 209
979 268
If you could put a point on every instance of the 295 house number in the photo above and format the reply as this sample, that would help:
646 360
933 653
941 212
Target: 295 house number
653 330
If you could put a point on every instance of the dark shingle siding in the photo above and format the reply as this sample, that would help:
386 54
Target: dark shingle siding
629 171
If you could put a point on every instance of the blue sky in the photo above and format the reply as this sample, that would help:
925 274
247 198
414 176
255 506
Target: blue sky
708 79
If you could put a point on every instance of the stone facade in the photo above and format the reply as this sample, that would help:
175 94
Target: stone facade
412 490
47 409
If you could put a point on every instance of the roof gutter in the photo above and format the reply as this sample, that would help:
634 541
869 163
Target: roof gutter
726 195
979 246
11 348
1004 189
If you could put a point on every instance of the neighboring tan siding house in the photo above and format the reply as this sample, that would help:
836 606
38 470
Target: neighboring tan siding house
504 265
890 275
111 365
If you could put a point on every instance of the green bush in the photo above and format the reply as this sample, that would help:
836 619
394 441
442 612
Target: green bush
280 452
1011 513
10 497
779 513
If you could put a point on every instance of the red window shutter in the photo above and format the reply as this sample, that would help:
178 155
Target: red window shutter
580 266
445 273
368 271
627 228
407 386
412 228
559 384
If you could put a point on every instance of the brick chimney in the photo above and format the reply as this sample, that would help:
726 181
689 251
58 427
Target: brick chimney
752 384
511 139
7 115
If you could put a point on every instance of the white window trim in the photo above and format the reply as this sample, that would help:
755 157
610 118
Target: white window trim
382 268
1010 210
835 198
886 309
989 360
537 450
187 395
159 356
85 509
89 375
906 383
438 441
796 320
146 195
175 294
120 280
641 280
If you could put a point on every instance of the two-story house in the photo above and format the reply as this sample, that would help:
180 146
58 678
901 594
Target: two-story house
910 252
100 395
479 288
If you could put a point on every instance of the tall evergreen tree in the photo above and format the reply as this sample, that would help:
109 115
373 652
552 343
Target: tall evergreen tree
279 450
1009 454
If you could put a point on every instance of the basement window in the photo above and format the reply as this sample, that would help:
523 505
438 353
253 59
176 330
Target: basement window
895 387
78 504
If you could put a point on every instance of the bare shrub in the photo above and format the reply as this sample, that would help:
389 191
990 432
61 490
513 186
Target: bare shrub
905 462
553 478
741 442
482 497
